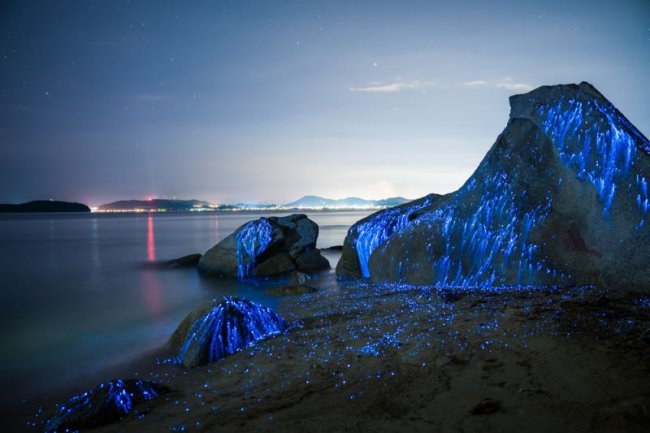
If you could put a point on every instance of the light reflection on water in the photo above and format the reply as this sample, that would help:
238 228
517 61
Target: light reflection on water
77 295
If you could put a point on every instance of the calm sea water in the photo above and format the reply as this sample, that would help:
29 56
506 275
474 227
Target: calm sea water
78 298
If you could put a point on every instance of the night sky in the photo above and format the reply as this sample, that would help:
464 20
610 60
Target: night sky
267 101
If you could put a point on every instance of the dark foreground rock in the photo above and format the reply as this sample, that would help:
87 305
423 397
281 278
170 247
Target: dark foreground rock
561 198
266 247
105 404
218 329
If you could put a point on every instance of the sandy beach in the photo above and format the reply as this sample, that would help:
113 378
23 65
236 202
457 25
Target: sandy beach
365 357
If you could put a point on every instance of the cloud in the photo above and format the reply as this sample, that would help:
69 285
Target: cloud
389 88
475 83
508 84
505 83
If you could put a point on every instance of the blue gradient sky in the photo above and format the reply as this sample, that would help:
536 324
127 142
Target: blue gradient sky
268 101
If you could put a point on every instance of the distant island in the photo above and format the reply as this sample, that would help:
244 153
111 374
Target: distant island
309 202
43 206
155 205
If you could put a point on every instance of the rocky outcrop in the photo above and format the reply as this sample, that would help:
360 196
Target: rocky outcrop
104 404
266 247
219 329
561 198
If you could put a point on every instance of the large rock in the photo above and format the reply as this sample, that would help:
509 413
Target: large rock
561 198
367 234
217 329
104 404
266 247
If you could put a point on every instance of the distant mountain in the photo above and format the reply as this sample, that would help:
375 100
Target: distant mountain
156 204
315 202
44 206
244 206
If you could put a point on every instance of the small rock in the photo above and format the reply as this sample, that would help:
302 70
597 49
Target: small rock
104 404
297 277
219 329
487 406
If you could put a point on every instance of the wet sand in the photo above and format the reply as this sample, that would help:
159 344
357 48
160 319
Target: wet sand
365 357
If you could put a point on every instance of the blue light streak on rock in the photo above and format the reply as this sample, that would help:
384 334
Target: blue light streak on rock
251 241
108 402
601 151
480 247
228 327
372 233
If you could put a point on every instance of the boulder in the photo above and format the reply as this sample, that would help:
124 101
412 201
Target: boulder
297 277
561 198
274 265
218 329
104 404
266 247
311 261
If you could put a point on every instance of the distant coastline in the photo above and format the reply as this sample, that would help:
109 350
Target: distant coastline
307 203
43 206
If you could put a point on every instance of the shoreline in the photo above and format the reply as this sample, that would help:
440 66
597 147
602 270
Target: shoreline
366 357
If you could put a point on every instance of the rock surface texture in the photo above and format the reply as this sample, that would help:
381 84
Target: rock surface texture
104 404
217 330
561 198
266 247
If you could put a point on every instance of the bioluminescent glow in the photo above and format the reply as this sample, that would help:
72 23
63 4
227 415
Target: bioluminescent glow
596 142
229 326
642 200
372 233
480 235
251 240
480 247
106 403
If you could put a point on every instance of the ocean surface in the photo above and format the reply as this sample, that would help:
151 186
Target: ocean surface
80 299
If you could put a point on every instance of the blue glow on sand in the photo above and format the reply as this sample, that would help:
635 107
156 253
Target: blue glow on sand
251 240
230 326
601 150
106 403
372 233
